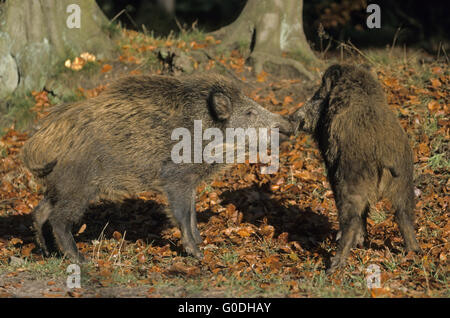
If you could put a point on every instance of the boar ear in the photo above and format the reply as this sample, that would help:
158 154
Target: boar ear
366 66
331 75
220 106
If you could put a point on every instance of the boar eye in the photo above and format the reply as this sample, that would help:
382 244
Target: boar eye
251 112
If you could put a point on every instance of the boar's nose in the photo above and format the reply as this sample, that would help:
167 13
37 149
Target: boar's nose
285 129
294 120
295 116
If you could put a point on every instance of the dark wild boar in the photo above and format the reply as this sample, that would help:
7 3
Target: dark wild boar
366 153
119 144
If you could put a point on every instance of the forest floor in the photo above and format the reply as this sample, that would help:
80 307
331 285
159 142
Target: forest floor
264 235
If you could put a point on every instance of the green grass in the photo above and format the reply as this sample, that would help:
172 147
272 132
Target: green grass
191 35
438 161
3 152
230 258
225 283
91 68
377 216
51 268
379 57
424 75
67 98
431 126
207 189
151 59
243 47
112 29
59 67
440 158
18 111
121 278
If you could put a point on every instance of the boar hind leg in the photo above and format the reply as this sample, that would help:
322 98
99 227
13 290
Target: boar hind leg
180 204
40 216
194 226
351 211
404 216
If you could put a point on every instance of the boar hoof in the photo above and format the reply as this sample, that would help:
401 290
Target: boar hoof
78 258
414 248
194 251
44 251
336 263
360 239
82 259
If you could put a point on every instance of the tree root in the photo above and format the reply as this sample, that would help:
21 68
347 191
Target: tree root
278 65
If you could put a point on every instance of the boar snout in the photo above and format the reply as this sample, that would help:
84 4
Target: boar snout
296 120
284 127
307 117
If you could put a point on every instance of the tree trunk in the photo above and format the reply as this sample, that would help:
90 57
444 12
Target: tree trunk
269 30
35 36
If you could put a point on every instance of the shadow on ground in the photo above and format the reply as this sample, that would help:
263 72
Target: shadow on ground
303 225
145 220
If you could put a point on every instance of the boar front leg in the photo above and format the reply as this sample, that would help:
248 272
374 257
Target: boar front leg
61 220
65 241
181 210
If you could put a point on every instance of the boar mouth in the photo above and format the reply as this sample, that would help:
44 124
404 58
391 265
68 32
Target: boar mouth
295 121
295 127
283 134
284 130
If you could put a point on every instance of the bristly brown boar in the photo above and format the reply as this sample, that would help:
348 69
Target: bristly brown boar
366 152
119 144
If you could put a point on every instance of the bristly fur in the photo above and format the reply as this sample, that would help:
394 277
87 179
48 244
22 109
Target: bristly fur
119 144
366 152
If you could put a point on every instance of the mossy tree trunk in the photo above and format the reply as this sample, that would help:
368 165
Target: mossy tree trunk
35 36
271 32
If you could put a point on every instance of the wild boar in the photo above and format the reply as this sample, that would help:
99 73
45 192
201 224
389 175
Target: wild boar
366 153
120 142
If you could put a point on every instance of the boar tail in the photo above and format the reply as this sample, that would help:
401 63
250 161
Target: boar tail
43 171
